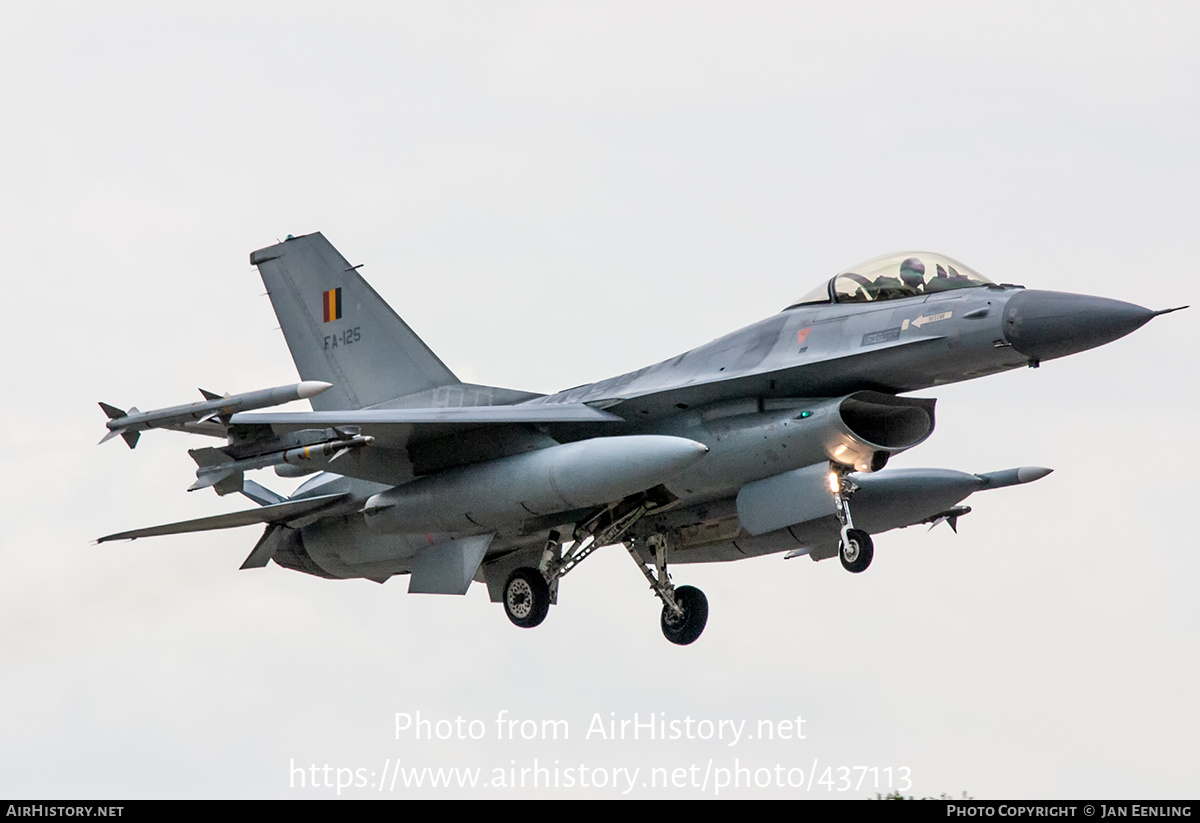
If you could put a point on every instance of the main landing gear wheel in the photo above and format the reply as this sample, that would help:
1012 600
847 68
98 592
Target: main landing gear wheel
856 551
685 628
526 597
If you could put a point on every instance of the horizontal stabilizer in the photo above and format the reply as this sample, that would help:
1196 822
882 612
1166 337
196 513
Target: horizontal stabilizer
279 513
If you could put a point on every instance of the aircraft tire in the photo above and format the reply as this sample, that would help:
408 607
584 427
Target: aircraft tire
526 597
687 628
860 553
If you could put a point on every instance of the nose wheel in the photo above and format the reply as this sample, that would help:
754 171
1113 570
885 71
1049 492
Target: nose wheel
856 551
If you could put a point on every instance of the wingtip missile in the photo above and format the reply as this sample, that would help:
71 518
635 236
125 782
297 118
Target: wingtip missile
311 388
214 408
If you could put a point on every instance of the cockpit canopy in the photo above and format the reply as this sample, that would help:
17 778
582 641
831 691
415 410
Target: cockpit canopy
903 274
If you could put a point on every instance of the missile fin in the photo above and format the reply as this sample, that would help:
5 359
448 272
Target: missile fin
209 456
223 481
203 481
230 483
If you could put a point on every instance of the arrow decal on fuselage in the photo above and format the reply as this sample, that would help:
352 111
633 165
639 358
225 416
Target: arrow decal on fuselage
932 318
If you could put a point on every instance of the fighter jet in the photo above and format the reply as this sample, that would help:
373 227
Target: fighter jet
772 439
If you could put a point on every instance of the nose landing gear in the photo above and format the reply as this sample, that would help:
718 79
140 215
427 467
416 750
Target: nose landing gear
856 550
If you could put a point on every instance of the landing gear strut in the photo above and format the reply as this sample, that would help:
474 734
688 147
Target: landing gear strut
685 610
856 550
529 592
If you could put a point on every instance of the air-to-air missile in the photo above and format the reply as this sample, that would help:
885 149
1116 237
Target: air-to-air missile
193 416
215 466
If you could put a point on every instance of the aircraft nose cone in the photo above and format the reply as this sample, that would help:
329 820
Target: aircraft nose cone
1043 325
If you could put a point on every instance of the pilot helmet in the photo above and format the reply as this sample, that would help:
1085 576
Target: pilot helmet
912 271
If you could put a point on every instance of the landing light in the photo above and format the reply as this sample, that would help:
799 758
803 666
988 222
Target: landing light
833 482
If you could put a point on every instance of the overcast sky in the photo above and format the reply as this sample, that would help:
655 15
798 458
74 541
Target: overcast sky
551 194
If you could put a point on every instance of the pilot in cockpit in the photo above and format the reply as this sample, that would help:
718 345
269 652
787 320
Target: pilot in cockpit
910 283
912 273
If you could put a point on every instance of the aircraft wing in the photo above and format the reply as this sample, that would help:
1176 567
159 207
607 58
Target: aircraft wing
413 418
428 439
274 514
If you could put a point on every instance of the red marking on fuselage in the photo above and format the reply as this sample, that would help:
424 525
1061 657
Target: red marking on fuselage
803 333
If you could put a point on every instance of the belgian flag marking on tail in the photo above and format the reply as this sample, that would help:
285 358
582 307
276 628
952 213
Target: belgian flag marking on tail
332 303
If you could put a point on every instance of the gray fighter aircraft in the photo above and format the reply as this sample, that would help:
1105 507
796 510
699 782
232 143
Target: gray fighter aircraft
771 439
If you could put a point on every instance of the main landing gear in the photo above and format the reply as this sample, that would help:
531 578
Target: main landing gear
526 597
528 592
685 610
685 627
856 550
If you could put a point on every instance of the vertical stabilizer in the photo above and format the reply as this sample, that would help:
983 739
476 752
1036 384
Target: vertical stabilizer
340 331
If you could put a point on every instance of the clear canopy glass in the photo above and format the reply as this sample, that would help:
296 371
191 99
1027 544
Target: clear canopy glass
893 276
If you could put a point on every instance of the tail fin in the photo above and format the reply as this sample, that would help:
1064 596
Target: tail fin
340 331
